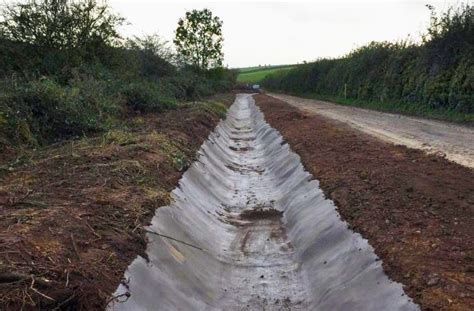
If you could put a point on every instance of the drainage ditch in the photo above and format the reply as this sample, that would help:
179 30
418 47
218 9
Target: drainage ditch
250 229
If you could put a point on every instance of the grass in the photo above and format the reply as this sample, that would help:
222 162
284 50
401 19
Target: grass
398 107
264 67
257 74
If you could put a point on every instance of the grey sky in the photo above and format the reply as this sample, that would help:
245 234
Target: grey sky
287 32
269 32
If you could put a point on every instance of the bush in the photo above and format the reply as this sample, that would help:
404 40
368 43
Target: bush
146 96
43 111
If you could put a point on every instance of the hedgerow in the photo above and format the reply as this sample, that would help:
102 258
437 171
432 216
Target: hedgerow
434 75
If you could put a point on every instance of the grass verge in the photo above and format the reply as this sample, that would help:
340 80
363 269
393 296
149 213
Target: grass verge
441 114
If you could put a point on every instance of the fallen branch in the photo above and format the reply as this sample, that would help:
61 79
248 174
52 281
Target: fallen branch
171 238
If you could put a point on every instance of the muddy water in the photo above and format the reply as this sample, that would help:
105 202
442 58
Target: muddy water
456 142
249 229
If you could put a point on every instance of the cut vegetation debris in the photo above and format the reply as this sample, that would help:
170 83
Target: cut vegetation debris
72 215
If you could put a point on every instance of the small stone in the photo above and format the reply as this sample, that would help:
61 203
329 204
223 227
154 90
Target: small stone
433 279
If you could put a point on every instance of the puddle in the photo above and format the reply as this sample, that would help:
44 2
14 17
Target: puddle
249 229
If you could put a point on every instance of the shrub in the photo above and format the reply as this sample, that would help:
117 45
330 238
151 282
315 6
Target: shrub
146 96
41 111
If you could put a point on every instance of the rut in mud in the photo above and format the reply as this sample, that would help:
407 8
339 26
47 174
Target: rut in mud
250 229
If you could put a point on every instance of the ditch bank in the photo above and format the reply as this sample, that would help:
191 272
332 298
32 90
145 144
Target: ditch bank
249 229
72 214
416 210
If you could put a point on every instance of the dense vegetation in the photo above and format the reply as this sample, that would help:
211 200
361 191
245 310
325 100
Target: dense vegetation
434 78
65 71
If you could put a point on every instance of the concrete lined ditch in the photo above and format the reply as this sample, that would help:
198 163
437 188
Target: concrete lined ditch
249 228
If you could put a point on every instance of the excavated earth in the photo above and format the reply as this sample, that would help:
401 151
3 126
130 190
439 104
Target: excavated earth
249 229
416 210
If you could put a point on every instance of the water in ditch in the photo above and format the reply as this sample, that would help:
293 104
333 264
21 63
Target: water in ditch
250 229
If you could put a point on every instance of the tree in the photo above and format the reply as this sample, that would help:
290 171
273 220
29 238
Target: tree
61 24
199 39
151 44
154 55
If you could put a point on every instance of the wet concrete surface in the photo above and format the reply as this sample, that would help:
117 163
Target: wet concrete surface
249 229
456 142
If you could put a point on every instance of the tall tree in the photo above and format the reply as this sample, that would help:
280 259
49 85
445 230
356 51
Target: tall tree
199 39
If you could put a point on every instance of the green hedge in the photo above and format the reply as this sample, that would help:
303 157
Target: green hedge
437 74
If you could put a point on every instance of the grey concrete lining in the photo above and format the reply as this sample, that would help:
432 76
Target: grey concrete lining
263 235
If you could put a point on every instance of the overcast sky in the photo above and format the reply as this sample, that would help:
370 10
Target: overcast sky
272 32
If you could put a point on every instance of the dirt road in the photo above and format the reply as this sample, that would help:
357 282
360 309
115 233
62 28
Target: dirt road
454 141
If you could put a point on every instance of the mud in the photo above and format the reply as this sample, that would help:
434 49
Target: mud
417 210
455 142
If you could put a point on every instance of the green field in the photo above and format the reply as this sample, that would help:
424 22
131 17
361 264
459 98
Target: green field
256 74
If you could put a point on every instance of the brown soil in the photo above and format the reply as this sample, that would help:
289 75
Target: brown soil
72 215
416 210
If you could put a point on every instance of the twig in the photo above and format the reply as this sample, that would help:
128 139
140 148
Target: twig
58 307
127 294
20 200
37 291
14 277
171 238
75 246
93 231
67 278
